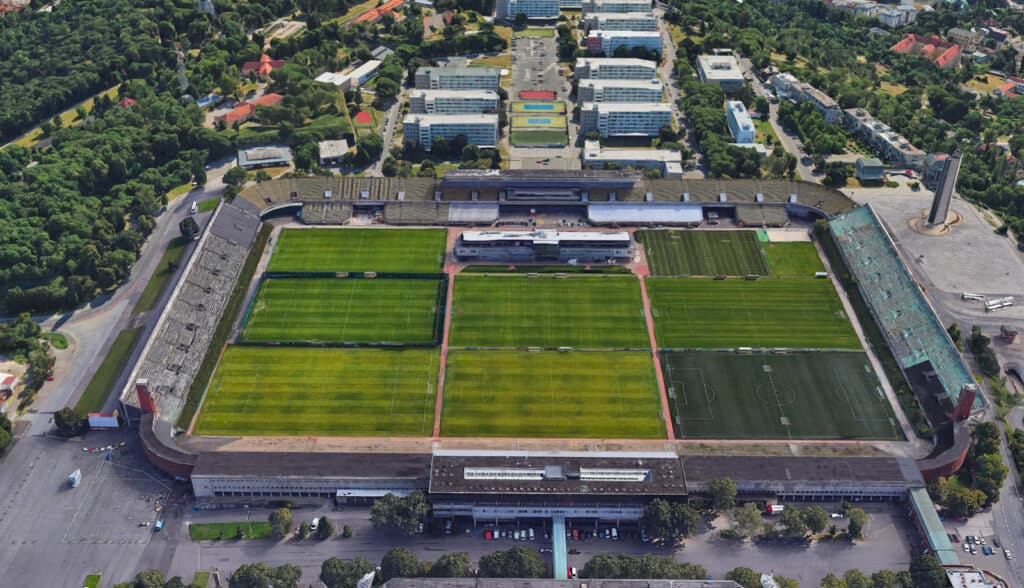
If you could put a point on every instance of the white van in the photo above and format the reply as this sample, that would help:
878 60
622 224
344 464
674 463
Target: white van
531 534
615 534
313 525
194 208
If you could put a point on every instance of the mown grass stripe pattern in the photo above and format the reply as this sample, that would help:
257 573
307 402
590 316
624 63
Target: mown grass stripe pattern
703 253
700 313
343 310
522 394
821 395
545 311
332 392
359 250
798 259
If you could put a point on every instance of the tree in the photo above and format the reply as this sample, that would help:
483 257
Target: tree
304 530
858 520
925 572
989 474
723 493
325 530
260 575
346 532
816 519
280 521
149 579
5 423
452 565
963 502
831 581
747 519
399 562
856 579
235 176
745 577
669 521
5 440
520 20
785 582
956 335
399 514
70 422
986 438
343 573
641 566
792 520
517 562
387 90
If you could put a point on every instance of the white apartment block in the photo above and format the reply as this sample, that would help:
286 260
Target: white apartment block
479 129
535 9
620 91
740 124
589 6
895 17
615 68
458 78
617 119
621 21
453 101
721 70
889 144
606 42
788 87
669 162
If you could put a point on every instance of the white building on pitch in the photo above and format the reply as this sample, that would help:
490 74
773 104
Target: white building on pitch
615 68
740 124
621 21
721 70
618 119
606 42
458 78
452 101
620 91
479 129
534 9
589 6
668 162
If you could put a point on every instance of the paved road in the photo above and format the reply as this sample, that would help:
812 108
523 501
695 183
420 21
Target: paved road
667 73
390 125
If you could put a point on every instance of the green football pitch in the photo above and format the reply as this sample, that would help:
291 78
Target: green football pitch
344 311
292 391
551 394
539 138
695 313
804 395
793 260
703 253
545 311
359 250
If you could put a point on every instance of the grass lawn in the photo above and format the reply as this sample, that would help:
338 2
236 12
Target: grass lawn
503 60
179 191
92 581
209 205
340 310
695 313
576 311
892 89
32 138
763 131
532 107
359 250
504 32
551 394
103 380
201 579
534 32
808 395
57 340
703 253
792 260
538 138
356 11
228 531
330 392
991 82
158 281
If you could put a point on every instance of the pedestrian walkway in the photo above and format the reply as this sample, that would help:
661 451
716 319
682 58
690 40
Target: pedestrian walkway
559 557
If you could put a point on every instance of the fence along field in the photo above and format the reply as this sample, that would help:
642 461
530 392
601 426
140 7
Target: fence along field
290 391
703 253
344 310
697 313
550 394
802 395
359 250
545 311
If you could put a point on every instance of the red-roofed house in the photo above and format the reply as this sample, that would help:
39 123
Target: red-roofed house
246 110
263 67
1013 88
126 102
941 53
374 14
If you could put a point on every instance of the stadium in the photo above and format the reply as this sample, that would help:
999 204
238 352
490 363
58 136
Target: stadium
534 344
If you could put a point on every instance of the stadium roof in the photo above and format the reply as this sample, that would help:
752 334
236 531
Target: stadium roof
551 583
340 465
704 468
540 236
934 531
652 213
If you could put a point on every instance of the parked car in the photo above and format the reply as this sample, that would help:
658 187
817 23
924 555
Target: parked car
1007 554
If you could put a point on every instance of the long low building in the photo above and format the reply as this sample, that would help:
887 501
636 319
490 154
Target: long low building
458 78
620 90
667 161
890 145
590 6
607 42
353 79
542 245
615 68
423 129
453 101
621 21
620 119
269 156
533 9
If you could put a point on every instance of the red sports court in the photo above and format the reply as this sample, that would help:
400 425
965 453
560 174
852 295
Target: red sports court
536 95
364 118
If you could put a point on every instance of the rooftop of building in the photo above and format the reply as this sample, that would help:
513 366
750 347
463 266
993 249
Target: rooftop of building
627 106
264 152
468 94
659 155
550 583
719 66
704 468
335 148
619 15
599 83
592 61
543 235
460 71
869 162
341 465
634 34
451 119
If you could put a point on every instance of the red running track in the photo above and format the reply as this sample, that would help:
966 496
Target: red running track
642 272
